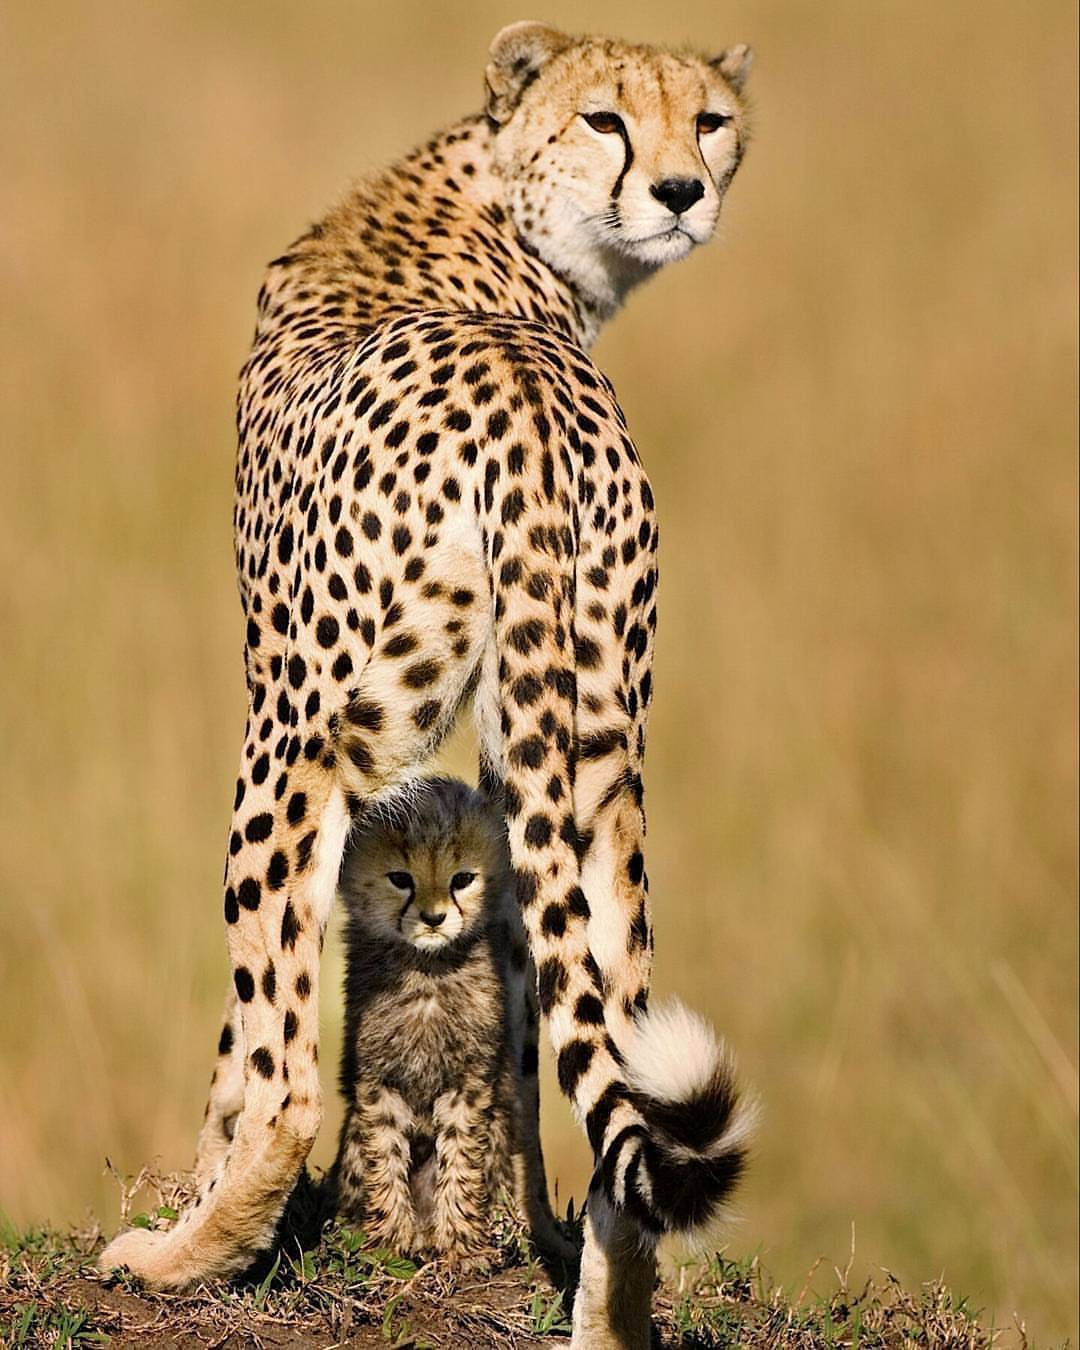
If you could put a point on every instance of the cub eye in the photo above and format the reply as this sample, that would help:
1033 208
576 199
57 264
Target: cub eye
402 881
460 880
604 121
711 122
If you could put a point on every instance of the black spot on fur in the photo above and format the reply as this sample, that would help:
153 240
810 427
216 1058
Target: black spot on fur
290 927
525 637
364 713
529 753
427 715
303 851
538 831
277 872
326 631
262 1061
601 743
553 922
574 1060
259 827
577 904
590 1010
422 673
249 893
551 982
526 690
401 644
360 755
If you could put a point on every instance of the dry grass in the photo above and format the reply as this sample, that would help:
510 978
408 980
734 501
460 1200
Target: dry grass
858 410
326 1287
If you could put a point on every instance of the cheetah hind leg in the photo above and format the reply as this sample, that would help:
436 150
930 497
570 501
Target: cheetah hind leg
524 1174
613 1302
530 1177
275 949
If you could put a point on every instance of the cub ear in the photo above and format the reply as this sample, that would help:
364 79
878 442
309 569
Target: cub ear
734 64
518 53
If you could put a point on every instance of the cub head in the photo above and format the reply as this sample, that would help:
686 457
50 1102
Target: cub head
615 157
427 871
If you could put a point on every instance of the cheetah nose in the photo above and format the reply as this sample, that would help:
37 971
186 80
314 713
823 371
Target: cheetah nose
433 920
678 194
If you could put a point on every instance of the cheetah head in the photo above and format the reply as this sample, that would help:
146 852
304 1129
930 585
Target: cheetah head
615 157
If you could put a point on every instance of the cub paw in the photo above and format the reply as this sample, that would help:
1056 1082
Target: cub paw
400 1235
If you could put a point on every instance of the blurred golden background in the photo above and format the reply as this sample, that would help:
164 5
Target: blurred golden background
858 412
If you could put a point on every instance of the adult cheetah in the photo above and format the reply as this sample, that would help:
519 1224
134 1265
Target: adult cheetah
436 497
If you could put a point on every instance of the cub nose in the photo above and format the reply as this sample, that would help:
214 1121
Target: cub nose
678 194
432 920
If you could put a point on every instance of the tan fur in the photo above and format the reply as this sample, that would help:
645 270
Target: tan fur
436 495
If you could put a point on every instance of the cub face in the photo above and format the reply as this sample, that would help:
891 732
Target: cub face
426 874
615 157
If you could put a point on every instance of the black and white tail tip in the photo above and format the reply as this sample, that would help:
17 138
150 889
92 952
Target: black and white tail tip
674 1174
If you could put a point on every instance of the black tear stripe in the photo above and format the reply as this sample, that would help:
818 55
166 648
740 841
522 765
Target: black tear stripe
629 149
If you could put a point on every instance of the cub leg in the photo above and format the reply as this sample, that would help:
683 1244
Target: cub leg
462 1146
373 1168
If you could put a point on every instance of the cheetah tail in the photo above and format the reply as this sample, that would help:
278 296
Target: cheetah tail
676 1174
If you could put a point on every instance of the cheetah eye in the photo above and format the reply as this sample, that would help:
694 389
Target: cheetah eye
711 122
401 881
605 122
460 880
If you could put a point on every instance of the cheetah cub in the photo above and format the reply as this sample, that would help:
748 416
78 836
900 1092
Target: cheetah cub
433 964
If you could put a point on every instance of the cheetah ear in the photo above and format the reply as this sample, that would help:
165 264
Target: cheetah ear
734 65
518 53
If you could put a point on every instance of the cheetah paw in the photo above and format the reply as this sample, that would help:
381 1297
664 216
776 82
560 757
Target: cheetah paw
150 1256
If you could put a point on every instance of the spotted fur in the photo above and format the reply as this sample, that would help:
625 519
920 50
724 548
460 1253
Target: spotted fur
436 496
